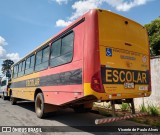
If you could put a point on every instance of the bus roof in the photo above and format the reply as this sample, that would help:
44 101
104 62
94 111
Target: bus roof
66 28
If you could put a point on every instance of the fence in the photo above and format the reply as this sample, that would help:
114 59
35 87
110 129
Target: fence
155 81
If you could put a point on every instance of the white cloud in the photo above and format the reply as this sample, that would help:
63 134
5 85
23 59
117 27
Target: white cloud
125 5
61 1
2 52
62 23
4 55
13 56
2 41
82 6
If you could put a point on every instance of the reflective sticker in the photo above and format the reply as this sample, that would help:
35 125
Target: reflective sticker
143 87
144 59
109 52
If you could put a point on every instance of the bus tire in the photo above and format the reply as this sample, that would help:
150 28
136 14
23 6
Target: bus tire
12 99
39 106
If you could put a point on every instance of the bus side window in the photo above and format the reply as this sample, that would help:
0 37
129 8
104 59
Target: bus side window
20 67
45 57
67 44
55 53
23 67
67 48
32 63
27 65
42 58
38 57
19 70
29 68
62 50
15 71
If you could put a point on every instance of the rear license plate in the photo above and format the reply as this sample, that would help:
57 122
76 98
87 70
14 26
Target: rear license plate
129 85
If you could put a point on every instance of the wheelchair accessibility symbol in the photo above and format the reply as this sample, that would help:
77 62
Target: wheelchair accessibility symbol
109 52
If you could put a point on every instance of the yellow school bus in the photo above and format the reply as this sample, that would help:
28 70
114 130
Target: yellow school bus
101 56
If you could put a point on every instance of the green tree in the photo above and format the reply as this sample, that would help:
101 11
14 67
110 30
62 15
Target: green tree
6 66
153 29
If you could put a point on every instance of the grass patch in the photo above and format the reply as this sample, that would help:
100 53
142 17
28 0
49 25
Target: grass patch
150 109
143 108
124 106
153 110
148 120
153 117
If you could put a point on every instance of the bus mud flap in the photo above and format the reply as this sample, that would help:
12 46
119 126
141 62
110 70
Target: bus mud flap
108 120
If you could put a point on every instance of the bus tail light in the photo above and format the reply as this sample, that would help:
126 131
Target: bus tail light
96 83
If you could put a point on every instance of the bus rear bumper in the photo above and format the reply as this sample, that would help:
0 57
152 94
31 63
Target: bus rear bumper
114 95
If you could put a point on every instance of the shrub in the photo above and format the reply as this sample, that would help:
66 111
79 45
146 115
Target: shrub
143 108
153 110
124 106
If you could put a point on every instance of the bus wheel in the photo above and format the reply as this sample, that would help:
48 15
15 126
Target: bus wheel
39 105
12 99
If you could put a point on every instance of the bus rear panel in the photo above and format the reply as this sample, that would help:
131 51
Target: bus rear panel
124 61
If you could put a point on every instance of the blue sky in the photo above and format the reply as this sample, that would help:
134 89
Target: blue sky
25 24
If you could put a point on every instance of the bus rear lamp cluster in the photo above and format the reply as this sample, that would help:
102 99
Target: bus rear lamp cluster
96 83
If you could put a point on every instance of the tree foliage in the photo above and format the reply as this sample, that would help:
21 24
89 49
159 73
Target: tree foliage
6 66
153 29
